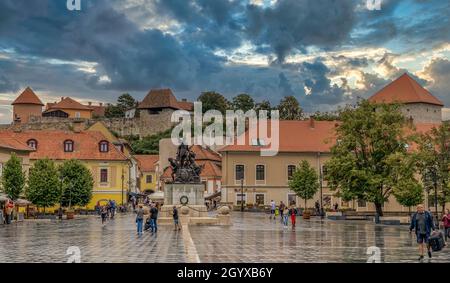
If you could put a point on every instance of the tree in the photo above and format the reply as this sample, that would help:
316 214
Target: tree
305 181
407 190
44 188
434 160
243 102
290 109
149 144
361 165
13 178
263 105
213 101
77 183
124 102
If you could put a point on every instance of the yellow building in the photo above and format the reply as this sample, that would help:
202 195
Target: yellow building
108 165
147 172
68 108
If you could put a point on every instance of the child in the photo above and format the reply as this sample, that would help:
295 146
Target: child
285 217
104 214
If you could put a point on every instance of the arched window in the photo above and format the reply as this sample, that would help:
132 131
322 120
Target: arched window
32 143
104 146
68 146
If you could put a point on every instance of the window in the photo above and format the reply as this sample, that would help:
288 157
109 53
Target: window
241 198
240 172
103 175
260 173
149 179
290 171
291 199
104 146
259 199
68 146
362 203
77 115
32 143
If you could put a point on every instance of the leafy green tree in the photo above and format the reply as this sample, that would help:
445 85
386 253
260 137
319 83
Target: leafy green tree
263 105
361 165
407 190
243 102
149 144
124 102
44 187
434 160
305 181
213 101
77 183
290 109
13 178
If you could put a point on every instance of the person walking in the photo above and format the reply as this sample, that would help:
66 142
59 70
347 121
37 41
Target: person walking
422 223
293 213
112 207
139 219
8 210
104 214
153 218
282 207
285 217
272 209
176 220
446 220
317 206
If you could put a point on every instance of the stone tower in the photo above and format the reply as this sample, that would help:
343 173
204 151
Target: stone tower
26 105
417 103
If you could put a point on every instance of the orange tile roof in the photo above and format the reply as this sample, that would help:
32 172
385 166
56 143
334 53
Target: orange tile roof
28 97
295 136
159 98
210 170
186 105
405 90
68 103
205 153
98 110
51 144
146 163
14 144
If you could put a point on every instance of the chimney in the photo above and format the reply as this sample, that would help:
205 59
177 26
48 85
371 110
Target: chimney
101 104
90 103
311 122
62 98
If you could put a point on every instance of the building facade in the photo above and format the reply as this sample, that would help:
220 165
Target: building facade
26 106
109 166
148 175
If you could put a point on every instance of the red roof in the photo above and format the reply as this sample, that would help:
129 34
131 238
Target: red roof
295 136
159 98
98 111
146 163
14 144
205 153
51 144
405 90
28 97
210 170
68 103
186 105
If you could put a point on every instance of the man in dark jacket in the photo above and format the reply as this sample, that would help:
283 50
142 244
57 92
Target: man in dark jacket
153 218
422 223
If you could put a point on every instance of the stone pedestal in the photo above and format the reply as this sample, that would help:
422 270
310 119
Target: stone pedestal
194 193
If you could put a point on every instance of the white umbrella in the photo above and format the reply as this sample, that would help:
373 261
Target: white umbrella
22 202
3 197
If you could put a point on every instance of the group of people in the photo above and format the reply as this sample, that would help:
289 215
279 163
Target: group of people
423 225
284 211
151 223
107 211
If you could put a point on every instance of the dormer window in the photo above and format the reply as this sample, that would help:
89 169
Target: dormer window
104 146
68 146
32 143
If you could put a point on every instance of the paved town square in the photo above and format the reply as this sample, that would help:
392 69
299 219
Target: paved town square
251 238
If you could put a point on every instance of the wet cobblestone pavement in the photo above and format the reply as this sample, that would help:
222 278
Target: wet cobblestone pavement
255 238
116 241
252 238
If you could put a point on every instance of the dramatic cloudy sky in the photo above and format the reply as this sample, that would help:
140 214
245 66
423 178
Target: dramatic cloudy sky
325 52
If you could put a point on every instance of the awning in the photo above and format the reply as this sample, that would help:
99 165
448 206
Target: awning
3 197
22 202
157 195
215 195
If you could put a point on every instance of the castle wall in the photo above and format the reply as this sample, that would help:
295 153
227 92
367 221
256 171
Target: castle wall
422 112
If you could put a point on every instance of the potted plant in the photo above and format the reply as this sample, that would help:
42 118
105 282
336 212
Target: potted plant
70 214
306 214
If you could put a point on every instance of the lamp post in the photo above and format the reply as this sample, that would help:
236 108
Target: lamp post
321 185
242 194
123 178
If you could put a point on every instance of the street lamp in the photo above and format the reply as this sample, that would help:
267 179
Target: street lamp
242 194
432 175
321 185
